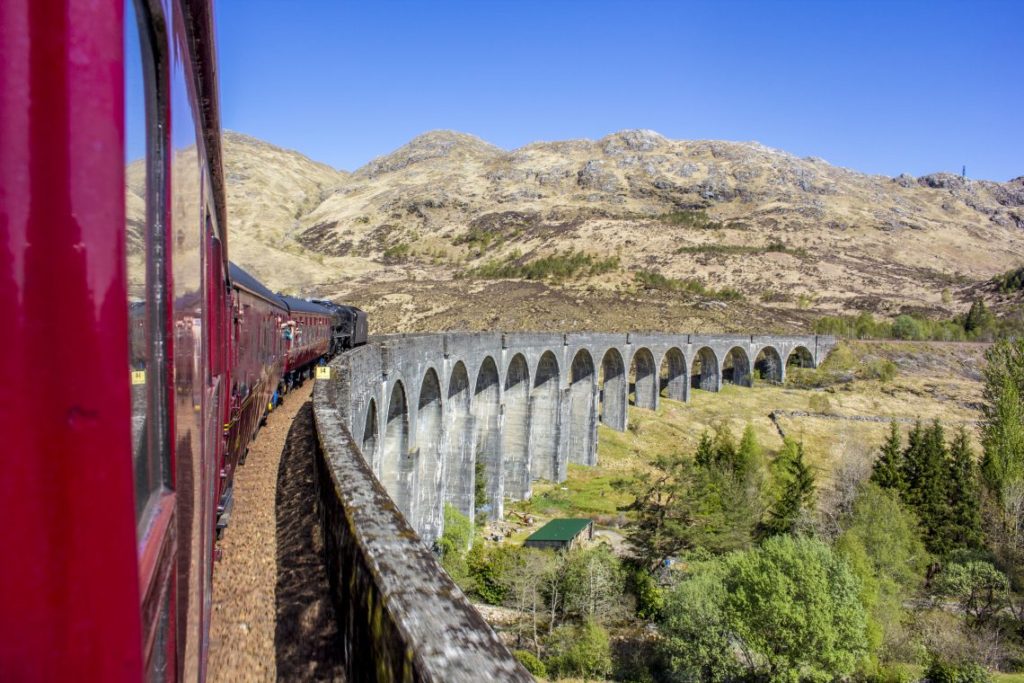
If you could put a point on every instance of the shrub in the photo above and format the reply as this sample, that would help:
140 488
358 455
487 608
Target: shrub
905 327
650 598
397 252
650 279
942 671
797 604
579 650
696 218
454 542
1010 281
882 369
489 570
892 673
819 403
696 640
531 663
564 266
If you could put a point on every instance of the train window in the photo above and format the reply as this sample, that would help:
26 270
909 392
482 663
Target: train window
144 260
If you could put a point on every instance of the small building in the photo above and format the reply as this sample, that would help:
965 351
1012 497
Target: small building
561 534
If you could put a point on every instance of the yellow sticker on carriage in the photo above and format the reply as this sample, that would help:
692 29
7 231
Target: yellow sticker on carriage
323 372
138 376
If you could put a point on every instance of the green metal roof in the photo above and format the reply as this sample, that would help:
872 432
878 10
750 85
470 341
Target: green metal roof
559 530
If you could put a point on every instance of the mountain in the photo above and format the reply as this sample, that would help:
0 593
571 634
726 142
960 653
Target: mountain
729 235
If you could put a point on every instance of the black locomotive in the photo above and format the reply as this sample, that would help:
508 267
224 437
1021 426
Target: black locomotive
350 327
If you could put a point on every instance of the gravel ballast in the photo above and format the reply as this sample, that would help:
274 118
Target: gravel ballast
272 616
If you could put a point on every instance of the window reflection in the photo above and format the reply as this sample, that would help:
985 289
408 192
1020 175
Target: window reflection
139 254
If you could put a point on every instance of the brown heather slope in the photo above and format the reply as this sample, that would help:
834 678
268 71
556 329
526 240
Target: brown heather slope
796 236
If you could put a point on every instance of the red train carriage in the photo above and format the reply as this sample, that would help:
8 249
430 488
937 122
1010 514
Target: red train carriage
257 369
307 337
139 363
113 287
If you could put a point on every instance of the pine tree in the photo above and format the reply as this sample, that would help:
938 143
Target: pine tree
912 463
705 455
927 486
725 447
795 485
887 470
725 497
963 511
978 318
748 455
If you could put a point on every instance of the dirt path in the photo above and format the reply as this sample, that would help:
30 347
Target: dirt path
272 618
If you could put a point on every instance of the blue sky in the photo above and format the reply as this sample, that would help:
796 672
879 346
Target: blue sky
881 87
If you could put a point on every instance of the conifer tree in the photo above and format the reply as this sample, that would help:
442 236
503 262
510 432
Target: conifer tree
978 318
794 483
963 511
748 455
725 447
705 455
912 463
887 470
932 491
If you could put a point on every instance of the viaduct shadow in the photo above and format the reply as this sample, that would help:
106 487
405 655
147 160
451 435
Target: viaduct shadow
307 642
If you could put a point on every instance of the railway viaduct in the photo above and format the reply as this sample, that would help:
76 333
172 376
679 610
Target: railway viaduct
405 422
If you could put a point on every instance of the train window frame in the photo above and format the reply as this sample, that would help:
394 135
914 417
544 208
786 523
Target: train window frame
155 523
152 48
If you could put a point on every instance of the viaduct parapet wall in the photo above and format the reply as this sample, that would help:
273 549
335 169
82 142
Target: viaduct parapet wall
409 423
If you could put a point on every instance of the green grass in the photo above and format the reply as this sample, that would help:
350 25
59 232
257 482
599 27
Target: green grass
1008 678
588 491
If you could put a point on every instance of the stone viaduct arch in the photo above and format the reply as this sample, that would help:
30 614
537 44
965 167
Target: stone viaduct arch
736 368
800 357
459 455
768 365
705 371
644 379
433 415
515 444
487 440
582 412
614 390
544 419
429 480
396 460
672 378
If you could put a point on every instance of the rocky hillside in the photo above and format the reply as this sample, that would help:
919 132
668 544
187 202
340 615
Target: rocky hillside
444 232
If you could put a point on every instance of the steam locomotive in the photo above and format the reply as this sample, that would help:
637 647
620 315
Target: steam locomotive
137 360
